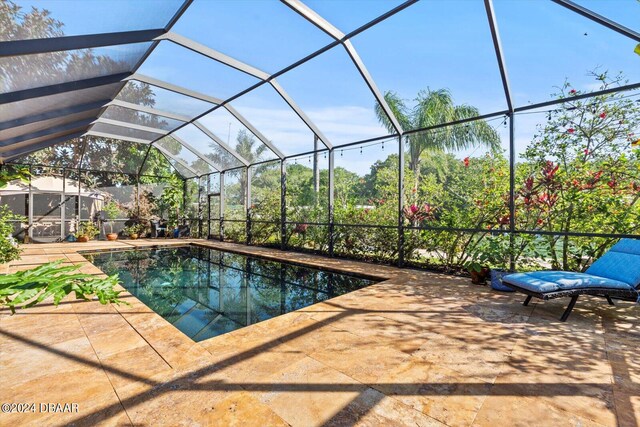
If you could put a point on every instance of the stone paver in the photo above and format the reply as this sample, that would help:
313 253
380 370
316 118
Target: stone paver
417 348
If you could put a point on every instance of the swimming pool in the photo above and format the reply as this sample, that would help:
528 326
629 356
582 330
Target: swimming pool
205 292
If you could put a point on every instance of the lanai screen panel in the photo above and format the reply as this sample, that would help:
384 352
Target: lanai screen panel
141 118
266 109
246 142
343 108
188 157
105 154
546 45
348 16
144 94
626 13
45 69
12 150
65 155
435 64
89 17
126 132
43 125
179 66
204 144
258 33
155 165
28 110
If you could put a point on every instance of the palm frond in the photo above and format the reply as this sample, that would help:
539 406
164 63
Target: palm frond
399 110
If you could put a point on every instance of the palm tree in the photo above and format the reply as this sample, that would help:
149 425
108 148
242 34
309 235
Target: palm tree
246 147
434 108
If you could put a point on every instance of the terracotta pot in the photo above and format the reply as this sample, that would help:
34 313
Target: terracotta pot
83 239
133 236
112 236
479 277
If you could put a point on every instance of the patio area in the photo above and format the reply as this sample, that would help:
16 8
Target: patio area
416 348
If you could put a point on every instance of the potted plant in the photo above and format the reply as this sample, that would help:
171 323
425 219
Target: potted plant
497 254
86 231
111 211
134 231
477 266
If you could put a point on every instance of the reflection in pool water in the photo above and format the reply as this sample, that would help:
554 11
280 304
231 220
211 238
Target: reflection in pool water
204 292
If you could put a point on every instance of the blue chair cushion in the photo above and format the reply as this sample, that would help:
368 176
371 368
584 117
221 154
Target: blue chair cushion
554 281
621 262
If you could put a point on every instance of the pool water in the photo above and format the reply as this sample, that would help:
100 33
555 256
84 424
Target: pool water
204 292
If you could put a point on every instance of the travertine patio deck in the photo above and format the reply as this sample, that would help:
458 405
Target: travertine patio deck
417 348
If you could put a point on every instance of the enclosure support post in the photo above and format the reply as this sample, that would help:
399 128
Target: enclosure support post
497 45
316 171
184 201
331 201
283 205
137 195
247 204
221 216
30 232
79 202
400 202
512 191
199 208
208 199
63 204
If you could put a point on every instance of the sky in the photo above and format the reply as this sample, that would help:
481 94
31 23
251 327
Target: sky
432 44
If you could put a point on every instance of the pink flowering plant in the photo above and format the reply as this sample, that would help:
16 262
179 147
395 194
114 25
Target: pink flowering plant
417 214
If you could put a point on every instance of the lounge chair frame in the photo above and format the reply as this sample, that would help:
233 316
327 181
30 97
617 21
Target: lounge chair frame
574 294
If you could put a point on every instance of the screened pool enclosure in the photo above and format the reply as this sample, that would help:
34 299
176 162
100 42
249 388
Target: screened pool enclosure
418 132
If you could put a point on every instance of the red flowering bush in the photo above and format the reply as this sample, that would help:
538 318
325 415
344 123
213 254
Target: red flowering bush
417 214
580 174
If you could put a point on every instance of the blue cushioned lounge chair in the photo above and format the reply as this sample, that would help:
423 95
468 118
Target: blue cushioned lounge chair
616 273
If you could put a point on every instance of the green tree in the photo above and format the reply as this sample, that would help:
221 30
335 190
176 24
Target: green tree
581 173
252 151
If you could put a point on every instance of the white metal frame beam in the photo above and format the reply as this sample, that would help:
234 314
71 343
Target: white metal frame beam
53 114
55 44
149 110
181 162
248 69
200 155
174 88
314 18
83 123
220 142
118 137
130 126
37 92
589 14
213 54
17 152
197 95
